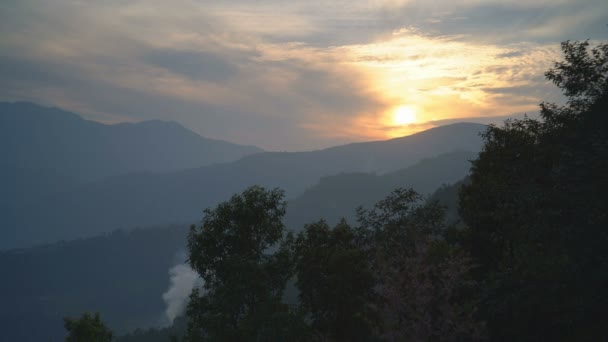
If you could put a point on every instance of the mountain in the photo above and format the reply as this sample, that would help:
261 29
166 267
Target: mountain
124 273
46 150
147 199
40 138
448 196
338 196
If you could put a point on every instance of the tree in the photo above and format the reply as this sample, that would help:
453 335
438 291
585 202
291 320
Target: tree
244 258
87 328
173 333
424 280
336 282
582 76
536 208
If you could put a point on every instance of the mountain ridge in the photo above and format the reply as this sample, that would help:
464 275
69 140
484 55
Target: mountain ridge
337 196
71 209
37 137
70 277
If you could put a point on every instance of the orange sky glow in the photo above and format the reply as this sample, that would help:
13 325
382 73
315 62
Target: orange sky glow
295 76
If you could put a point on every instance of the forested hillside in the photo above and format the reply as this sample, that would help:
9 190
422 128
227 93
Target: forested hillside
338 196
122 275
148 199
74 276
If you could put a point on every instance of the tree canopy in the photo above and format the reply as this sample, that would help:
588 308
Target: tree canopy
536 209
426 291
336 282
244 258
87 328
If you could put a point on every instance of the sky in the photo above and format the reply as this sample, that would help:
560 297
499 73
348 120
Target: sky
291 75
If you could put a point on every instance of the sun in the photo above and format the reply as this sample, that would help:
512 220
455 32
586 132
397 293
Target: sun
404 115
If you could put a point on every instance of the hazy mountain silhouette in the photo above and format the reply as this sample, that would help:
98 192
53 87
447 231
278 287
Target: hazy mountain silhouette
40 138
338 196
123 274
46 150
147 199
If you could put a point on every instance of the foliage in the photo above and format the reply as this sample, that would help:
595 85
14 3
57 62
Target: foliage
448 197
166 334
87 328
336 282
396 268
536 209
583 75
245 260
424 280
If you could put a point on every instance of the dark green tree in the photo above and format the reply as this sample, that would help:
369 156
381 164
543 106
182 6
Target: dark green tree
424 280
244 257
173 333
536 208
87 328
336 283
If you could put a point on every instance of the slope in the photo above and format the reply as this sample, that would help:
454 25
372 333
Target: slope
338 196
148 199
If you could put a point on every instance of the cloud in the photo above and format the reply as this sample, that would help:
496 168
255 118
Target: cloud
158 62
504 22
496 120
195 65
287 75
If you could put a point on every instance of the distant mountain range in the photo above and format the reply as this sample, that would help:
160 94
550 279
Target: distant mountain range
52 140
74 210
66 178
123 274
48 150
338 196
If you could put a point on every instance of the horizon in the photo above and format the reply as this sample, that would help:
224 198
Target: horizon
80 116
291 76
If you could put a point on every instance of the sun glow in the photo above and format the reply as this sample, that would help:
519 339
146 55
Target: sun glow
404 115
